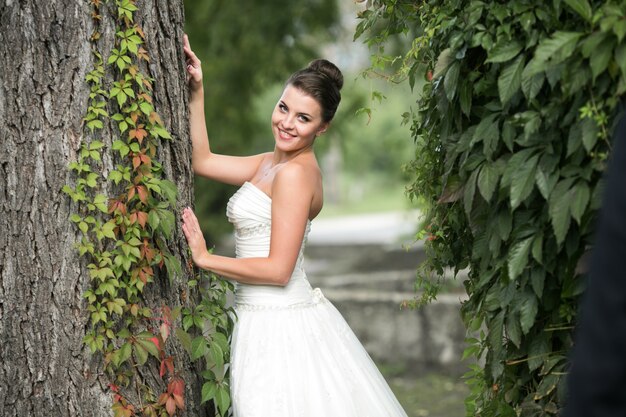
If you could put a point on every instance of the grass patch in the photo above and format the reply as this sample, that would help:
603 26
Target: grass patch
430 395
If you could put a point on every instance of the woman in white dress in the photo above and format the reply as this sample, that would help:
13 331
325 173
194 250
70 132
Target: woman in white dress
292 352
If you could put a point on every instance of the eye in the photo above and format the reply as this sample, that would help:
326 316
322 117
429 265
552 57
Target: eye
282 107
303 118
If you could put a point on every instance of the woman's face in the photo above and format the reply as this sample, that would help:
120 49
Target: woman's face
296 120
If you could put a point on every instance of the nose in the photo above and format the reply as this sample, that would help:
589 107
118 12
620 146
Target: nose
288 121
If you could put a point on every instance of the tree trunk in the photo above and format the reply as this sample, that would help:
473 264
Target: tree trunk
45 370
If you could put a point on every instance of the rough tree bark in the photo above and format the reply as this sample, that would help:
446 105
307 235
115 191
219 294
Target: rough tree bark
44 55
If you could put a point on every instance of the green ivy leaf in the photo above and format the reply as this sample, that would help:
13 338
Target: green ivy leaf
504 224
124 353
488 180
559 208
141 354
161 132
518 257
217 354
551 52
469 191
222 398
531 85
580 200
590 131
486 131
209 389
510 80
169 189
465 97
537 279
523 182
537 249
601 56
513 329
504 52
149 345
166 221
451 80
184 338
581 7
496 331
198 347
538 351
528 310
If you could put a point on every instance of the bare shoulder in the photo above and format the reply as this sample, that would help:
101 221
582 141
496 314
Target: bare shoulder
297 176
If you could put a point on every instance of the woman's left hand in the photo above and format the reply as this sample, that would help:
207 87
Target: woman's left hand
193 234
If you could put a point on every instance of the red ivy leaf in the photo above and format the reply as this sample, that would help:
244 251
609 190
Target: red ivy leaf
156 341
176 386
162 369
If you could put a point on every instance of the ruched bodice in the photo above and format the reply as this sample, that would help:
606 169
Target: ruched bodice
250 211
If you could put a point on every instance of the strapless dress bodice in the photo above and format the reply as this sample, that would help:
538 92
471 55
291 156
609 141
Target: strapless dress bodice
250 212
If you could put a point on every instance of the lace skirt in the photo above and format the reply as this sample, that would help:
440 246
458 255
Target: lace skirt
304 360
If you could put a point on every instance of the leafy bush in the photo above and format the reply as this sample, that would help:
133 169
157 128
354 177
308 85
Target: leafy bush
512 135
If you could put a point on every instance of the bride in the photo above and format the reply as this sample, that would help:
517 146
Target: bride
292 352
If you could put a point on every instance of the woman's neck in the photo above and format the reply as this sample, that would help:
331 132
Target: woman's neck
281 157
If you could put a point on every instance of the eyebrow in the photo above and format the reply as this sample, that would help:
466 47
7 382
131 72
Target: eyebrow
300 114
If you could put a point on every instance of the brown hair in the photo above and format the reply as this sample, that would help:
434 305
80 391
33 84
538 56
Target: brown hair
321 80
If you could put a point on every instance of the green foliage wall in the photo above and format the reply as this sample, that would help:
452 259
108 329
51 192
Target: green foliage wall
512 134
245 47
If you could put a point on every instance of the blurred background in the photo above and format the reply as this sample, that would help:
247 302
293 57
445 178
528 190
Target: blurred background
362 249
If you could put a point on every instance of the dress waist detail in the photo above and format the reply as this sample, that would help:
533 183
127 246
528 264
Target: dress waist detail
296 293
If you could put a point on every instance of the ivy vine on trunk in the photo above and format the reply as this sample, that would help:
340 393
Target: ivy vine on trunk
125 237
512 133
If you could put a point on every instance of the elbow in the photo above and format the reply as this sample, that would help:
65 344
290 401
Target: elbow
200 164
282 280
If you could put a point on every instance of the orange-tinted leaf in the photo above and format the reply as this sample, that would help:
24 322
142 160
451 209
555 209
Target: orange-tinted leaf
155 118
163 398
164 329
146 97
143 54
180 402
142 218
170 406
139 32
145 159
143 194
136 161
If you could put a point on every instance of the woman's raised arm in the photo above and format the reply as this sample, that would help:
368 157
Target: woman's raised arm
228 169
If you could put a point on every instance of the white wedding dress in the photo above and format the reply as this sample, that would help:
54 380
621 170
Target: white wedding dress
293 354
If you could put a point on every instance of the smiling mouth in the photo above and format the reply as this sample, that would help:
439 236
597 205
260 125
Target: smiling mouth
285 134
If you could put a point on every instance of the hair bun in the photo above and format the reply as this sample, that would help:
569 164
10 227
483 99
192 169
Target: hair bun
329 69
